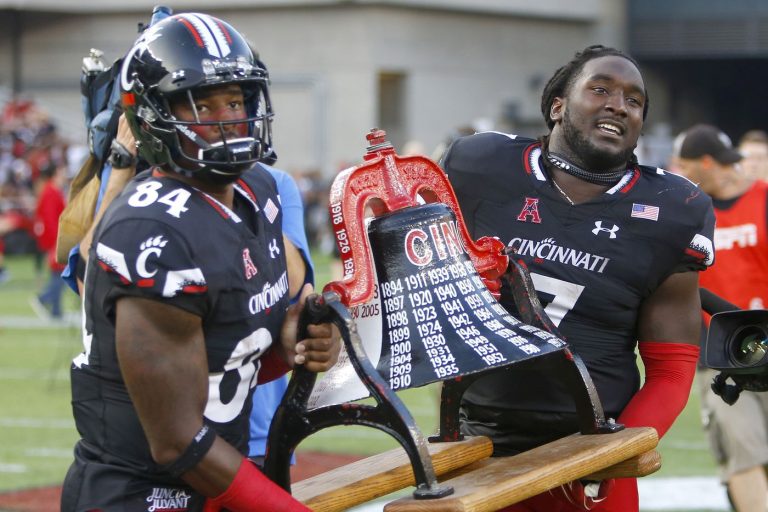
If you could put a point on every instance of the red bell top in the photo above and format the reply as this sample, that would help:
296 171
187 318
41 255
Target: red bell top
387 182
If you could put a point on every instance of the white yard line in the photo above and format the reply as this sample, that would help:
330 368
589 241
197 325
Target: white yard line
58 423
687 445
33 322
682 493
12 468
50 453
34 374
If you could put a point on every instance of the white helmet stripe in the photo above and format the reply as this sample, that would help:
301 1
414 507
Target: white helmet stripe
218 32
214 39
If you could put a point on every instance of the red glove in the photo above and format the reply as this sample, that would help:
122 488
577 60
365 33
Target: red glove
583 494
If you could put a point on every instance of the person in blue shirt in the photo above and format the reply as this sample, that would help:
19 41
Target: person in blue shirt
267 396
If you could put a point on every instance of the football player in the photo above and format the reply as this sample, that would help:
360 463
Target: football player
613 248
187 288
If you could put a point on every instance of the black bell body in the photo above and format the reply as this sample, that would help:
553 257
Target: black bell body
438 318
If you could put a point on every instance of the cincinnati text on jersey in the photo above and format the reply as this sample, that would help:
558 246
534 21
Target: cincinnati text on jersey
548 249
269 295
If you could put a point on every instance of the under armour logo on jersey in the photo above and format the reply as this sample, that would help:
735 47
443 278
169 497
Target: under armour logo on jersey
274 249
530 210
152 246
250 268
599 228
176 75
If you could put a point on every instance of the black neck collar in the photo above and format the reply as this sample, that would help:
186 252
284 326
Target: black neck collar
598 178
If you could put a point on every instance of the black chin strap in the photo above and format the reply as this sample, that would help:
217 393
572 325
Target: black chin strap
598 178
185 131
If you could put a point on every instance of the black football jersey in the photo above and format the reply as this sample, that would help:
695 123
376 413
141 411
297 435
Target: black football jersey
164 240
592 264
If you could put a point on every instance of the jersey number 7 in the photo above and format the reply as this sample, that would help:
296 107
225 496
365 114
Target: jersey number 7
565 295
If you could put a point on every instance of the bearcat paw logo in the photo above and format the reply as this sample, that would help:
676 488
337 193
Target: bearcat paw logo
151 248
156 241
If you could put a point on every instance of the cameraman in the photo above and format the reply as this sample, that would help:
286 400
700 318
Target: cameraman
739 433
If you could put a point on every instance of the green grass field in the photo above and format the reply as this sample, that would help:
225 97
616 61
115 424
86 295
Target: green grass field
38 431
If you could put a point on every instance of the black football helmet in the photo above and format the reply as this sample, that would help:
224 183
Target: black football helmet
177 56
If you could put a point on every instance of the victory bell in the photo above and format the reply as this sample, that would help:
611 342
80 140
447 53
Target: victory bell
413 309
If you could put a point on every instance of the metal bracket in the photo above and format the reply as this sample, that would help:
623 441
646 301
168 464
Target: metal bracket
293 422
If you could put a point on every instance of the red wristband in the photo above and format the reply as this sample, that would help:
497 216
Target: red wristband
251 491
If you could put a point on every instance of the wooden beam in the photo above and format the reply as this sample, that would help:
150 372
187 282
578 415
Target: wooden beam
491 484
641 465
376 476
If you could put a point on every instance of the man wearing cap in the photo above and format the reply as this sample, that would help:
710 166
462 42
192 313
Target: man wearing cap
739 433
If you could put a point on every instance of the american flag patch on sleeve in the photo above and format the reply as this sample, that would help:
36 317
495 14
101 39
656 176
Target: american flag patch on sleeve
643 211
271 211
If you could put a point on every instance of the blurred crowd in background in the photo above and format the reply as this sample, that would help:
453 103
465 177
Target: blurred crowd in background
31 153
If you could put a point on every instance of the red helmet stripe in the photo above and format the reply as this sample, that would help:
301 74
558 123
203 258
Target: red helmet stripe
193 31
224 30
214 38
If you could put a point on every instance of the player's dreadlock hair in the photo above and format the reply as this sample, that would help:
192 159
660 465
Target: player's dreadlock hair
563 78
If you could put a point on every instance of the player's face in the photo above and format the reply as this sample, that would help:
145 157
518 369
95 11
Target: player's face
603 113
219 103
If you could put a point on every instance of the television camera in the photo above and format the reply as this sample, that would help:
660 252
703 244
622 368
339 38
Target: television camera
737 346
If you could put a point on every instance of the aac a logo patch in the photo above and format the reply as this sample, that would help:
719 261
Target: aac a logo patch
250 268
530 211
